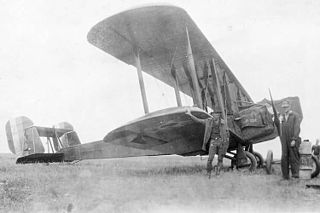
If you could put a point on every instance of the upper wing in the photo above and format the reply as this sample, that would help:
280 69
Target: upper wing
159 34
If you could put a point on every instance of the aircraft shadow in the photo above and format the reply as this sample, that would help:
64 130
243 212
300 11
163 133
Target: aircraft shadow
171 170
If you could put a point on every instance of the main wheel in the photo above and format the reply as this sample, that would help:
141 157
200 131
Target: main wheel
259 159
269 160
316 167
251 162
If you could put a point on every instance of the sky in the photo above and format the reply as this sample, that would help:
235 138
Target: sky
50 73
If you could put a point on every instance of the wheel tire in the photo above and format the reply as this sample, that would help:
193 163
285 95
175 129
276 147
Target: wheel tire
315 173
259 159
253 161
269 160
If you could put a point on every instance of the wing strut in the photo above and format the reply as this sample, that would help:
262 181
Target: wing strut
193 74
219 94
175 79
176 88
142 88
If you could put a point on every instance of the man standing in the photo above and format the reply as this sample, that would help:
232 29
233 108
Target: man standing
290 141
217 136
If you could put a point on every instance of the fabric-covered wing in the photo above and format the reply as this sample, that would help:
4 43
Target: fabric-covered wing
159 34
159 128
164 132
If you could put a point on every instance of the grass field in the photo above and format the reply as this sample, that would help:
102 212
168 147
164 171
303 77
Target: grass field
148 184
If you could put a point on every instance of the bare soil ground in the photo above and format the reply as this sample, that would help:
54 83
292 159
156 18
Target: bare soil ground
148 184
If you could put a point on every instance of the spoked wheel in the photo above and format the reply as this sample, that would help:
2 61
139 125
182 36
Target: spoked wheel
269 160
315 167
251 163
259 159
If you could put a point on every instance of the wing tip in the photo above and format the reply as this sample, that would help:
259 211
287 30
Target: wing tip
92 36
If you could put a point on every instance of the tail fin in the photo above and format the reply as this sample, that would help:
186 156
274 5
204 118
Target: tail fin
69 138
22 138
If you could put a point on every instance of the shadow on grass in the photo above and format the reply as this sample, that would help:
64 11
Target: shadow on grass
15 192
184 170
170 171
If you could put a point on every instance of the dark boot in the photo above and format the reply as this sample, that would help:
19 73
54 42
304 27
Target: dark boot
219 167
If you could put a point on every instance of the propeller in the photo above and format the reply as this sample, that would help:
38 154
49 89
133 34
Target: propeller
276 118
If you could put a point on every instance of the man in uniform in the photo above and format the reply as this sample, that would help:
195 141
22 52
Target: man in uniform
290 141
217 136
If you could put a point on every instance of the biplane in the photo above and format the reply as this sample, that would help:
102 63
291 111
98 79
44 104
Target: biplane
164 42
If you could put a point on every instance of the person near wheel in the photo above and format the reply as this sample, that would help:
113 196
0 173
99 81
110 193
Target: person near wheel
217 136
290 141
316 150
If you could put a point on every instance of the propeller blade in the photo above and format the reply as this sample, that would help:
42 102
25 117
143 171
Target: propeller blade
275 113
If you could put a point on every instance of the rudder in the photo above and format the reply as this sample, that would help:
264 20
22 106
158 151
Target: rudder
22 138
69 138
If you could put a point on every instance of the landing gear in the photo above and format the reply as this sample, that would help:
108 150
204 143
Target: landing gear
243 160
259 158
252 162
